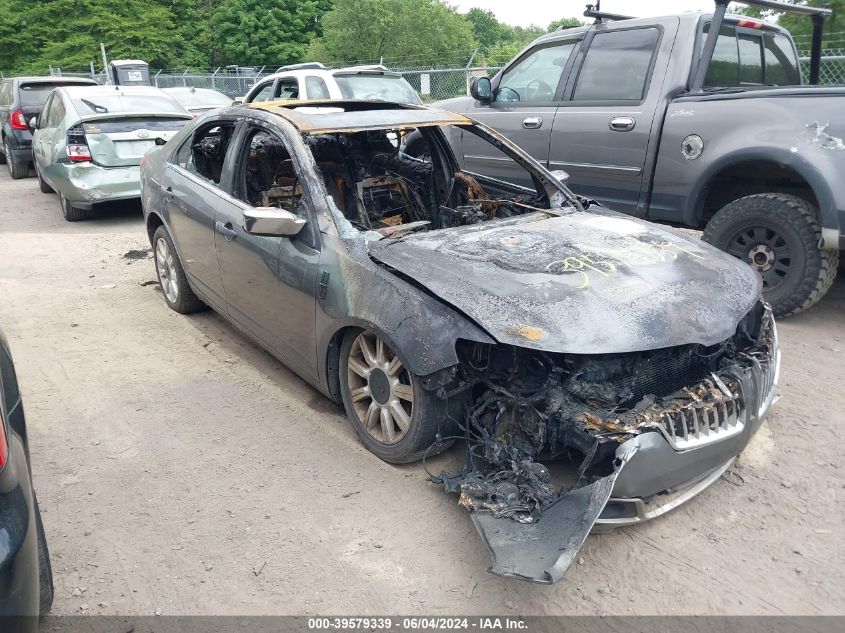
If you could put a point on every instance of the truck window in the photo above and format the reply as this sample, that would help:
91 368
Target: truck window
724 67
781 64
617 65
750 59
536 76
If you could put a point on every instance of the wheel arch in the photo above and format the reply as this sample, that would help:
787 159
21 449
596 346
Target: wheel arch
758 170
153 221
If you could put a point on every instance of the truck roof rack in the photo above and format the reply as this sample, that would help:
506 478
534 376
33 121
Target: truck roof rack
594 11
816 14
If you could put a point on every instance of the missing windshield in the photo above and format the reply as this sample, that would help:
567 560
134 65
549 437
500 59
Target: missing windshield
379 187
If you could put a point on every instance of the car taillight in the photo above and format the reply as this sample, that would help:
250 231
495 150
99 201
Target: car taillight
4 446
77 145
18 121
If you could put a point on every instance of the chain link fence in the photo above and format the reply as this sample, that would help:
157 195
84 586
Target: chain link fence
832 69
433 83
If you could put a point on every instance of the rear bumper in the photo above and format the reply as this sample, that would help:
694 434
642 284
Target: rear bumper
87 184
659 478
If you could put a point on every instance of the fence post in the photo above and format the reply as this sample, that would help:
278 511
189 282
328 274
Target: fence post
185 74
155 79
214 74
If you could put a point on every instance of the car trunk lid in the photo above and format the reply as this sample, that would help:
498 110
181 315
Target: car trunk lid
121 140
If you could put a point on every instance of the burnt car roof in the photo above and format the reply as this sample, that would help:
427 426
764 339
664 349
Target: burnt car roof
315 117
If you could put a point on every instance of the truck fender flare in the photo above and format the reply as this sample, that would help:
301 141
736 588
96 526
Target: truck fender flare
782 156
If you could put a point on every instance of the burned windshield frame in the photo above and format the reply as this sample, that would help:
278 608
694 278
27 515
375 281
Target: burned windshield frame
546 184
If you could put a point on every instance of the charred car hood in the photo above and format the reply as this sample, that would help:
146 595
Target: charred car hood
581 283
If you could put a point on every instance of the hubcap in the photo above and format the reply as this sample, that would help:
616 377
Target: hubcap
166 268
767 252
381 390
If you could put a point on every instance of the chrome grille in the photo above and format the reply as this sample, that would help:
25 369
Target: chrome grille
702 420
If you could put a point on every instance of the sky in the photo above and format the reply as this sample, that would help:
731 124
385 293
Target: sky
541 12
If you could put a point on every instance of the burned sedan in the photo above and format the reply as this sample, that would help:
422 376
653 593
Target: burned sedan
439 305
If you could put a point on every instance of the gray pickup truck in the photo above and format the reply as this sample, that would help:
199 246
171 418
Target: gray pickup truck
699 120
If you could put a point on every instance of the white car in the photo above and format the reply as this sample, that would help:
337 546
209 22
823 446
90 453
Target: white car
316 81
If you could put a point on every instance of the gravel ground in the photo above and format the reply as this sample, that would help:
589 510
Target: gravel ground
182 470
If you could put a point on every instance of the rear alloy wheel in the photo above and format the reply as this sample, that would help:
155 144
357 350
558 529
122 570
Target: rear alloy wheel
171 276
70 212
778 235
17 169
393 415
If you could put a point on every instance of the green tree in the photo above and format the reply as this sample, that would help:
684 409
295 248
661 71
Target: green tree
569 22
489 32
67 33
258 32
419 31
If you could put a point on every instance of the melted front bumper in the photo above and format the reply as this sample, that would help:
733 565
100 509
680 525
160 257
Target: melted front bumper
660 476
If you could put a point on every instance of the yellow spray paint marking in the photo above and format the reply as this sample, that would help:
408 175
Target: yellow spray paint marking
608 263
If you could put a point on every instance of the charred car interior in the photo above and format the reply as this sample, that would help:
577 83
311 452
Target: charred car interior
378 187
599 370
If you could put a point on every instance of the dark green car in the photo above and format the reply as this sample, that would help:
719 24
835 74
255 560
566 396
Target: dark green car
88 142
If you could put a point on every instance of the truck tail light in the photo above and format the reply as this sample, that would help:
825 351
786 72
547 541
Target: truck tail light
17 120
4 446
750 23
77 145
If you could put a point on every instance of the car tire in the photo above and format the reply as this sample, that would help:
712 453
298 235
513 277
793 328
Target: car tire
778 235
70 212
378 405
17 169
178 294
42 184
45 568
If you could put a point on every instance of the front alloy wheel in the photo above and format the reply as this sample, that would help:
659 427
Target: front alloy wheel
395 417
380 389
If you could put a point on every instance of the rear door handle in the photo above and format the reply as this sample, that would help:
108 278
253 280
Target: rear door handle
622 123
226 230
532 122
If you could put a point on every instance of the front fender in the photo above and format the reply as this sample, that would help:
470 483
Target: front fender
360 293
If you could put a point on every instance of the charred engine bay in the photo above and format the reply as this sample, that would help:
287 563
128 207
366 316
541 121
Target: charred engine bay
525 407
378 187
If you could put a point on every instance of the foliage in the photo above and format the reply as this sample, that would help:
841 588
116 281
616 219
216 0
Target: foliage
425 31
68 33
801 26
258 32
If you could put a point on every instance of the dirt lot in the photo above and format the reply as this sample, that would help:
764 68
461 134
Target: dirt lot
182 469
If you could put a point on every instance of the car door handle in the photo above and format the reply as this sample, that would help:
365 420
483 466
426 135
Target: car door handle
622 123
168 193
226 230
532 122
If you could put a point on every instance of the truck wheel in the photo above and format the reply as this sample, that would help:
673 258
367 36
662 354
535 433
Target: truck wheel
778 235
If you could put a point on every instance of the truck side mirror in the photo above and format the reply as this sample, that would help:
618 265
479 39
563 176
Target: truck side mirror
481 89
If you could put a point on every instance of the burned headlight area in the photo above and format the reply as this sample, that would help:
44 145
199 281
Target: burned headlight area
525 409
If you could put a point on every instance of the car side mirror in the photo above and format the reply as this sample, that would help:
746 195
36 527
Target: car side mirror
159 141
33 122
481 89
272 221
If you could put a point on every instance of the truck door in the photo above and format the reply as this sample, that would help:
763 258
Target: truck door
523 109
602 130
